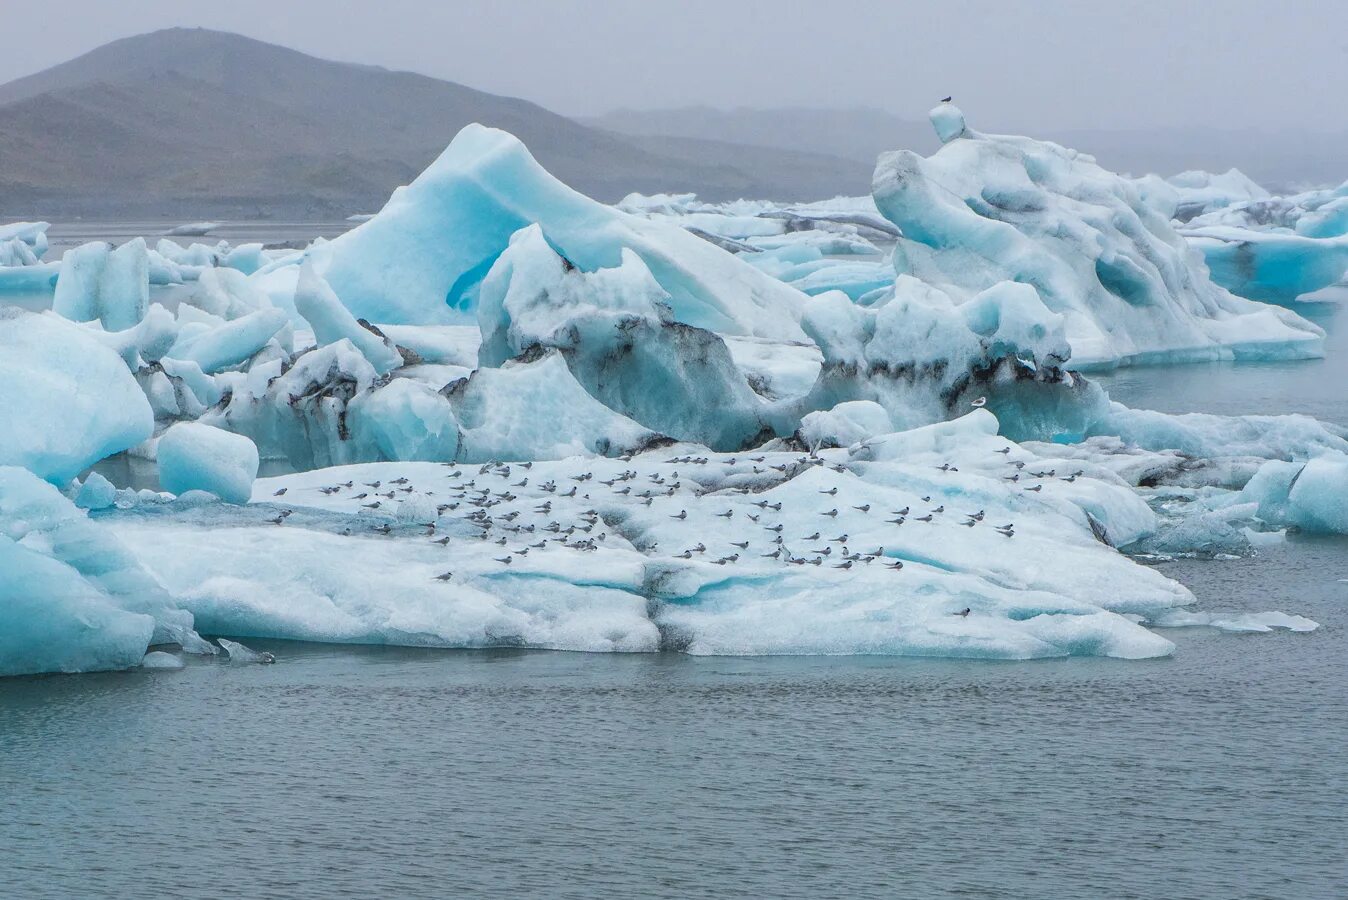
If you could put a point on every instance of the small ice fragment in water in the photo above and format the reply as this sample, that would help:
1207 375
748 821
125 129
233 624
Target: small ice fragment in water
238 653
158 659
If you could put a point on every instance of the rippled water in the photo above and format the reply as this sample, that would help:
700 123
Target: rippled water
343 772
357 772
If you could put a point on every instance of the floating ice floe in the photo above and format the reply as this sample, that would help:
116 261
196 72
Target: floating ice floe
1198 192
67 401
990 208
1276 249
72 598
770 552
196 457
23 243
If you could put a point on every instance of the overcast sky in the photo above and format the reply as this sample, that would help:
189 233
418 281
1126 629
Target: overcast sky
1017 65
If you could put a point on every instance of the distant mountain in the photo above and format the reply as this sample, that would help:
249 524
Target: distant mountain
859 134
188 122
1276 159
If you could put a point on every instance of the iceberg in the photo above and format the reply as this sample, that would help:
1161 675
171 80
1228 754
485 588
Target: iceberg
23 243
196 457
98 282
67 399
1200 192
332 322
72 598
422 259
1311 496
662 550
1272 266
924 359
535 409
617 333
1097 248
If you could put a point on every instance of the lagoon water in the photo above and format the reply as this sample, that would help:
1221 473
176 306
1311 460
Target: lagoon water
357 772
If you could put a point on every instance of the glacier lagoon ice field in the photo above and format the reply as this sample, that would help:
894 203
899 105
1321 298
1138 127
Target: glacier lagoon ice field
757 454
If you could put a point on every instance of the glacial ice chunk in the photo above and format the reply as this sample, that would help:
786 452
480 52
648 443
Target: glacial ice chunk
1311 495
616 331
240 655
332 322
847 423
421 260
193 456
987 208
66 400
158 659
96 493
537 410
110 285
405 420
72 598
214 349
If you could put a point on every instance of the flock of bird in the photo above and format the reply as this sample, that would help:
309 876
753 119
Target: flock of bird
505 503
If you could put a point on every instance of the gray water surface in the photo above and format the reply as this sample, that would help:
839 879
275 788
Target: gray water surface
360 772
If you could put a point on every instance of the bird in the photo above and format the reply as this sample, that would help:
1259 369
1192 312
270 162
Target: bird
865 508
278 520
503 559
947 467
726 515
1037 488
683 514
964 613
742 545
945 99
900 512
832 513
979 403
830 491
1004 450
846 565
899 521
977 517
442 541
813 537
924 518
280 492
841 539
939 509
444 576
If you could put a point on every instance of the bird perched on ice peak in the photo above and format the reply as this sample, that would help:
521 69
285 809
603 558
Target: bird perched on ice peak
979 403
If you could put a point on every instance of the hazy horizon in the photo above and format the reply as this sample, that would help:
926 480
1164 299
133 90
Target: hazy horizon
1130 65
